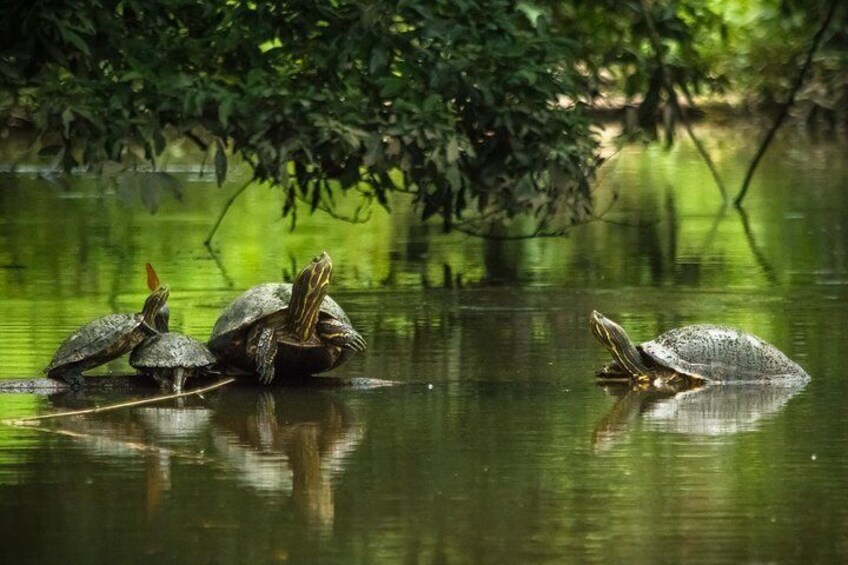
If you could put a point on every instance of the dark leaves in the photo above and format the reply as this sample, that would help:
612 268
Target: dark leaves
148 189
220 162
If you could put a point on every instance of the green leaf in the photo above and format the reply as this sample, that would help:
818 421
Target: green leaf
454 177
531 11
75 40
391 87
379 59
452 151
225 108
49 151
220 163
67 118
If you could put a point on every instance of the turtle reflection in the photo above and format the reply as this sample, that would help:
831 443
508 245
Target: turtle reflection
288 441
280 442
706 411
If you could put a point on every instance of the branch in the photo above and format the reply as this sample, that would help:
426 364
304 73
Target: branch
673 101
97 409
784 110
224 210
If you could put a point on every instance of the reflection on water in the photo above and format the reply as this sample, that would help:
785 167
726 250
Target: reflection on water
288 443
713 410
283 443
499 447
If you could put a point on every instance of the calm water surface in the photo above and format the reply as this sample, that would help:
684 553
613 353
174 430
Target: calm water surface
497 447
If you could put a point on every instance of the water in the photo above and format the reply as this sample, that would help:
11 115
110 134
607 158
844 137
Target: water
498 447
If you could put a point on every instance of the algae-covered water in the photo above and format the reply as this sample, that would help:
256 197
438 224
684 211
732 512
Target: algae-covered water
497 446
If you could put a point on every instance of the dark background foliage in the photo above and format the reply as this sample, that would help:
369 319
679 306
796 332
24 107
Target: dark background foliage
479 109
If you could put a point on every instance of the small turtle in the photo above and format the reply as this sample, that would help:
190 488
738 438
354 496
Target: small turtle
162 318
171 358
104 339
291 329
698 354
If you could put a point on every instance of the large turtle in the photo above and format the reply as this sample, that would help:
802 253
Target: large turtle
698 354
104 339
171 358
290 329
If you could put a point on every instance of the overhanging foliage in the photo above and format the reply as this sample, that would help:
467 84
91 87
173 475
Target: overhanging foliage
462 98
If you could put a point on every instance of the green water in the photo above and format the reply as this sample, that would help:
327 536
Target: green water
497 447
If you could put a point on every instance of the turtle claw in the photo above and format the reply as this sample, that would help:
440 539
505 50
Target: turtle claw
266 374
340 334
74 380
357 342
266 350
180 375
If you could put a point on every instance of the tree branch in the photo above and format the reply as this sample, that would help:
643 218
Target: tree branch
224 210
97 409
784 110
673 101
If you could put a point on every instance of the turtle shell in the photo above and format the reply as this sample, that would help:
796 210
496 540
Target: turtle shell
255 306
169 351
723 355
99 341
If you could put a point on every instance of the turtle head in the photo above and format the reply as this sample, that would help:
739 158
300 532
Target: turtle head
615 339
162 319
308 292
154 304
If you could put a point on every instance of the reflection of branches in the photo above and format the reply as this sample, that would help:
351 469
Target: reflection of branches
766 267
672 98
361 215
115 286
708 241
784 109
475 228
217 260
133 445
224 211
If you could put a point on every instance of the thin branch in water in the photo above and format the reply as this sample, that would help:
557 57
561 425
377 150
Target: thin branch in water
711 234
536 234
675 104
128 444
759 256
217 260
784 109
110 407
468 228
698 145
224 210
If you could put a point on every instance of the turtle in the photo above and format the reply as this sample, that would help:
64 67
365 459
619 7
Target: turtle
290 329
171 358
104 339
162 318
695 355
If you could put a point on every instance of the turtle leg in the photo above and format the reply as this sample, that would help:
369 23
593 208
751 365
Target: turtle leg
161 378
336 332
612 369
73 376
180 375
266 350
